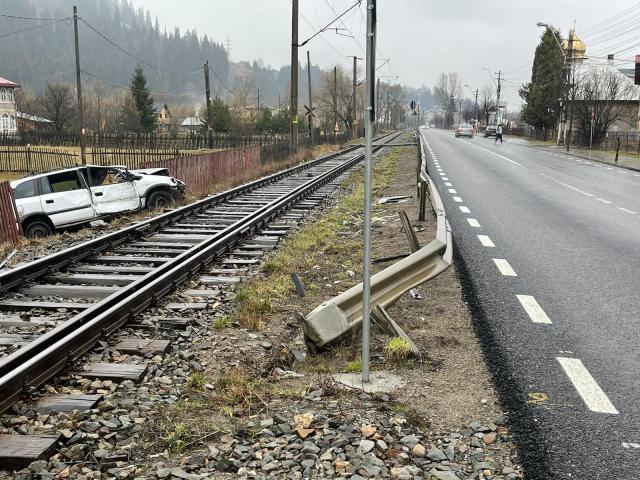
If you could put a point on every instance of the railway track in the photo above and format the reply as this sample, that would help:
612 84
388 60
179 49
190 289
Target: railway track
55 309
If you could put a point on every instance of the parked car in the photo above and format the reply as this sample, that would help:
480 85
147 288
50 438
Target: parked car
74 196
465 130
490 131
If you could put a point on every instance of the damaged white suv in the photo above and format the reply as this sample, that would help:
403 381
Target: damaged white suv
78 195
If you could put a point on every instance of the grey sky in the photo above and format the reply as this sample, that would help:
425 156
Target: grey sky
421 37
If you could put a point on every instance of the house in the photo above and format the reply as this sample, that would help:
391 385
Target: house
8 115
191 124
164 116
30 123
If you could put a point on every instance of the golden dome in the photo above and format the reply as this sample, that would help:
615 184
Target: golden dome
578 47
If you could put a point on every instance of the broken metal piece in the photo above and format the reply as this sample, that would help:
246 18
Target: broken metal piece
395 199
415 294
299 287
414 243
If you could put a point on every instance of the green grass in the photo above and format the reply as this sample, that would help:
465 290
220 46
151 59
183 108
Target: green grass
397 350
354 366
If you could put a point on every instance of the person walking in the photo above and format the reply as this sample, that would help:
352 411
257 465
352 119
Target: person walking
498 134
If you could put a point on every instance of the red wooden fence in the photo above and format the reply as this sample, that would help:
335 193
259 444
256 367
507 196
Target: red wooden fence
202 172
9 226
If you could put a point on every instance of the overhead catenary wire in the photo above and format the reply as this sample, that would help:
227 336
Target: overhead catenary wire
39 19
36 27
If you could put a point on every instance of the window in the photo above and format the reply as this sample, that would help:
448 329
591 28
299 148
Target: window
5 122
100 177
3 95
10 94
25 189
12 122
61 182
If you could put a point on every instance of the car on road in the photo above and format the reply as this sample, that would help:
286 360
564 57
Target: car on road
74 196
465 130
490 131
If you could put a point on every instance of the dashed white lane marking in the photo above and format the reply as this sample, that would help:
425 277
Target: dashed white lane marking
592 395
486 241
448 184
442 174
457 199
533 309
626 210
607 202
452 190
473 222
504 267
445 178
630 445
636 174
465 209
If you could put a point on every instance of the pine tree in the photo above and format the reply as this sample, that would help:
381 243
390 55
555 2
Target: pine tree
542 93
143 100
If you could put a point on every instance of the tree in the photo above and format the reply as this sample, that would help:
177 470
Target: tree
340 104
447 90
127 118
222 121
58 104
489 102
541 95
607 94
147 118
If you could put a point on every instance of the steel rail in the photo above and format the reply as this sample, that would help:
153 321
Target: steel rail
39 360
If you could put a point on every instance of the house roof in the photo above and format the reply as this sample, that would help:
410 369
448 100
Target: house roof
601 72
8 83
33 118
191 122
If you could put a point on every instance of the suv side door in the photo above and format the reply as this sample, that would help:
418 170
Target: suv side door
112 191
65 198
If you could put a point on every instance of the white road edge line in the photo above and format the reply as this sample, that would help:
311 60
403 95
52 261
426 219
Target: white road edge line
457 199
533 309
486 241
465 209
592 395
452 190
606 202
626 210
473 222
448 184
504 267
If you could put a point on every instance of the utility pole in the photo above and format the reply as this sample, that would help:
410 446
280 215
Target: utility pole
459 111
293 105
476 108
387 113
258 106
354 133
83 148
335 102
207 91
570 91
369 118
498 117
310 99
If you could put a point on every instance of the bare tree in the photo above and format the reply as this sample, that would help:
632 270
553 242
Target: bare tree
606 95
59 105
27 102
448 90
341 103
489 101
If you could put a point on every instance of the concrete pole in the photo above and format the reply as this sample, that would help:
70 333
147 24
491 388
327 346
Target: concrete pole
310 100
354 127
83 148
369 119
293 105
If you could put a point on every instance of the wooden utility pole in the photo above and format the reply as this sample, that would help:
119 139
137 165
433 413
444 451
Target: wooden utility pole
310 99
83 153
377 106
498 118
335 102
354 134
293 105
207 91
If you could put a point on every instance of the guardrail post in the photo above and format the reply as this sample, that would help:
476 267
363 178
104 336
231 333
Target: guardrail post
423 201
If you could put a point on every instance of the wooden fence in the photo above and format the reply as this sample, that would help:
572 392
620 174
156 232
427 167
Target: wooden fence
9 226
33 159
202 172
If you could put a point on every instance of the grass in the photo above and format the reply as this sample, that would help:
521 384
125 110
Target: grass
354 366
397 350
221 322
320 242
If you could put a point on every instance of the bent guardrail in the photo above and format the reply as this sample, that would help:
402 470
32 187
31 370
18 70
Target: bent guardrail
337 319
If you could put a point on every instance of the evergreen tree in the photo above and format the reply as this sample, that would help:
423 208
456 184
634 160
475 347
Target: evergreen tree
144 101
221 116
546 87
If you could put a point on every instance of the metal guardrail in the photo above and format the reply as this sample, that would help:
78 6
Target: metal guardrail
339 318
34 363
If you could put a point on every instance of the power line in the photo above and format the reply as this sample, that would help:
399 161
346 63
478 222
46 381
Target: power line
345 26
600 25
308 22
222 82
159 93
115 45
17 17
32 28
323 29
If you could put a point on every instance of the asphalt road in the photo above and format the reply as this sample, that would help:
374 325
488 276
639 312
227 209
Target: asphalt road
548 248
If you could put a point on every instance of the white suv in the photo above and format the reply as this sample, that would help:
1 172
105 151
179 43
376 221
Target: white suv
78 195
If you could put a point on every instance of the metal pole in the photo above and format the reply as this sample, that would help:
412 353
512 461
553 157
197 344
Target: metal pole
591 133
366 230
310 100
335 103
293 106
354 133
570 87
83 153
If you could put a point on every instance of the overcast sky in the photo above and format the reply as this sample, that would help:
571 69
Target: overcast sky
422 38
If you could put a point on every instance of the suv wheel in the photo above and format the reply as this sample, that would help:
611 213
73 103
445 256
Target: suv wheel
37 229
159 200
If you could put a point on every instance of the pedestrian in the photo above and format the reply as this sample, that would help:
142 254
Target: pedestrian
498 134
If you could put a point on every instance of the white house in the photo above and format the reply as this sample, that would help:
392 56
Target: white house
8 114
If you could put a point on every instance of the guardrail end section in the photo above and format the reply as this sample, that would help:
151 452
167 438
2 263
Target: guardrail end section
327 325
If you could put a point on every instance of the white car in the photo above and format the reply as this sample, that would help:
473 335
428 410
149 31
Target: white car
73 196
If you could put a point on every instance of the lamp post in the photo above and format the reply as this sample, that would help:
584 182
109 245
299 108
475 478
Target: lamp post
476 103
563 103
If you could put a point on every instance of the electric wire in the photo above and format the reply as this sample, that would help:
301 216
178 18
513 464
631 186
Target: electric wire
153 92
3 35
18 17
